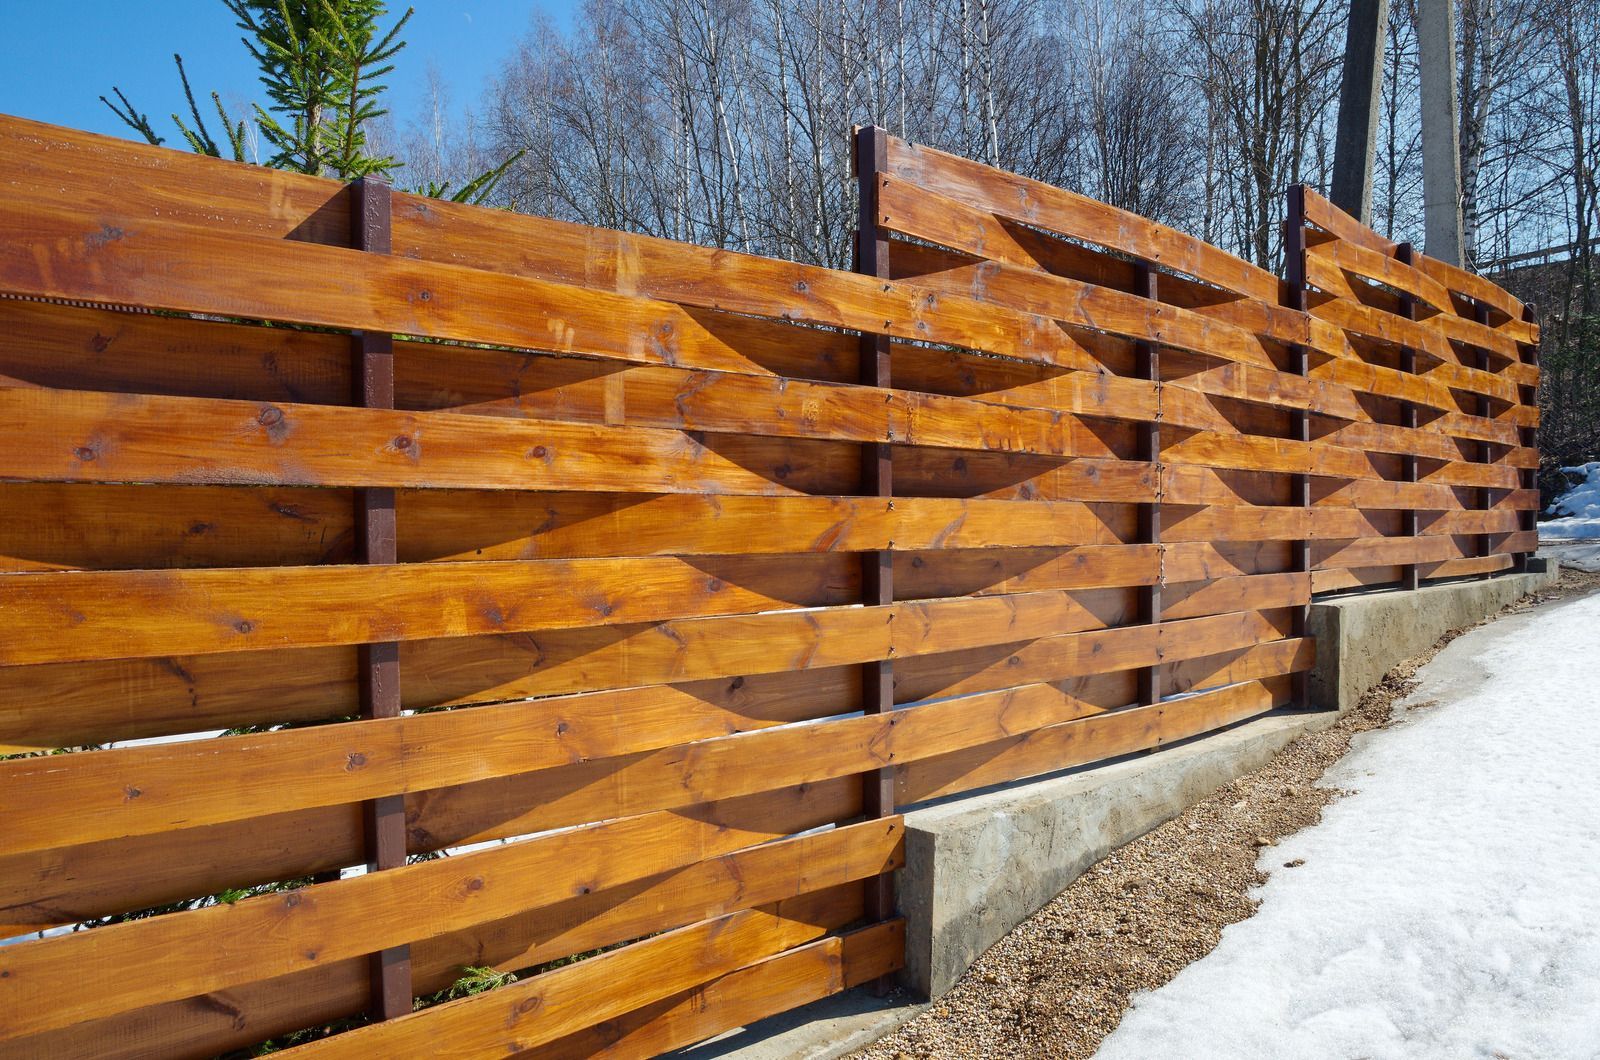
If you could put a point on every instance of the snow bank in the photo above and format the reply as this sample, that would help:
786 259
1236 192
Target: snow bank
1578 520
1450 908
1578 509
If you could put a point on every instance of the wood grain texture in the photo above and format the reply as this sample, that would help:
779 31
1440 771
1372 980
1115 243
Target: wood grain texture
627 584
539 1010
917 211
1069 214
740 998
46 165
107 256
73 436
202 1027
93 526
1363 261
279 934
1059 747
67 616
138 790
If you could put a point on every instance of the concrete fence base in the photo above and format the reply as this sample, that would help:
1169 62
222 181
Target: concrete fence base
1361 638
979 865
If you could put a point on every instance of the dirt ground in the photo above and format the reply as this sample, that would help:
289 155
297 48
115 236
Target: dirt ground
1060 982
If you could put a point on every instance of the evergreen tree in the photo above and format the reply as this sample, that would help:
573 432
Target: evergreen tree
322 66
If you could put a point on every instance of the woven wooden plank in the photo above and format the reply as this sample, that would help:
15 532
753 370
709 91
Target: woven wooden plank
924 214
535 1011
243 276
627 526
740 998
1074 215
552 799
1360 260
54 526
61 705
1058 747
46 165
456 892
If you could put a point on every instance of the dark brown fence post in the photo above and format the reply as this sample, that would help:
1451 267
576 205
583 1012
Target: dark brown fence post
1406 254
1528 518
1486 455
1147 365
871 157
378 665
1294 253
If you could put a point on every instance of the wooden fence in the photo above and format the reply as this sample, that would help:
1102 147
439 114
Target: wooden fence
646 580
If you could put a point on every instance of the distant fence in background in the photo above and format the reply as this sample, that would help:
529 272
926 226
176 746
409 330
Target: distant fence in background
648 580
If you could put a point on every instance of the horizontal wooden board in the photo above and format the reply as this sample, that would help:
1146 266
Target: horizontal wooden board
1262 661
921 213
437 377
130 614
1239 593
95 348
1459 568
1229 523
60 526
64 616
1328 217
535 1011
78 526
1377 325
741 998
75 436
1379 551
453 525
105 257
1191 561
200 1027
1257 453
138 790
1063 746
1004 381
1067 213
627 263
1241 382
70 884
67 704
1363 261
46 165
1383 381
319 923
1426 496
1460 281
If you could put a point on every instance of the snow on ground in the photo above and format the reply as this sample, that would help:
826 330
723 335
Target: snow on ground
1451 906
1574 536
1579 508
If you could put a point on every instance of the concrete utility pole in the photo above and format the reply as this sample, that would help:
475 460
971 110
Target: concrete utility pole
1441 150
1357 140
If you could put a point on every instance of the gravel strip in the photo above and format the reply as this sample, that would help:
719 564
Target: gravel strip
1060 982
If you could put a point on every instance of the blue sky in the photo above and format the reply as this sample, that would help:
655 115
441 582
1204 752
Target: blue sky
57 59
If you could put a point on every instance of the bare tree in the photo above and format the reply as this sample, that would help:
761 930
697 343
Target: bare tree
1269 69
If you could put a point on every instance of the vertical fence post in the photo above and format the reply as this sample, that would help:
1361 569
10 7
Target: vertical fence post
1147 365
1407 255
1294 253
1486 454
1528 437
871 157
378 665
